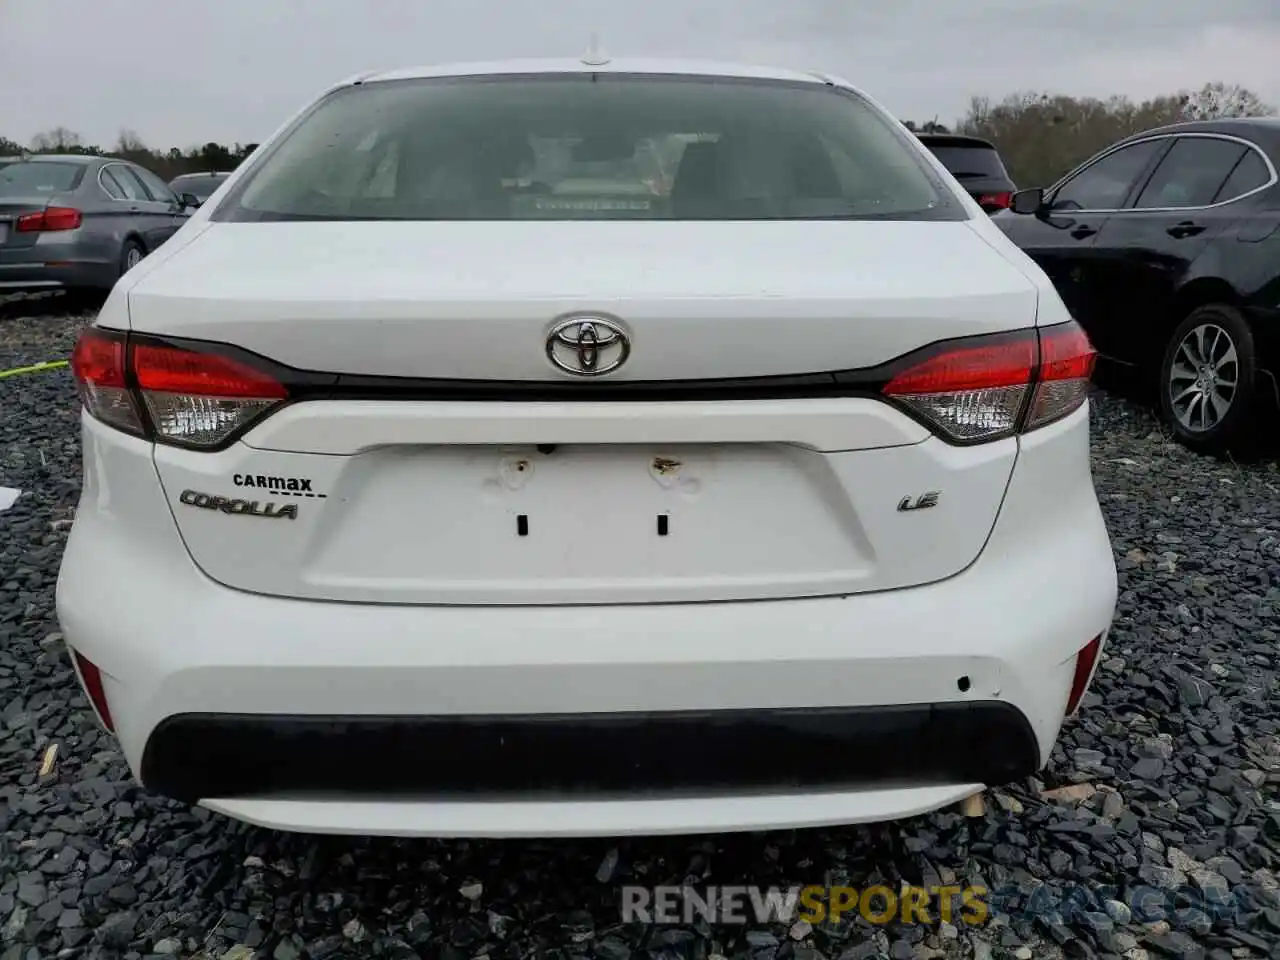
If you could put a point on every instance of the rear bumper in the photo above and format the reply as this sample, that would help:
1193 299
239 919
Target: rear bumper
181 654
54 265
193 756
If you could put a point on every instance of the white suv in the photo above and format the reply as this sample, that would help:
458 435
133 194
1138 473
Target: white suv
431 489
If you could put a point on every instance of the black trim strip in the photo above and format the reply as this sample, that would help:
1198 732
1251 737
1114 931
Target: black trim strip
307 385
315 385
196 756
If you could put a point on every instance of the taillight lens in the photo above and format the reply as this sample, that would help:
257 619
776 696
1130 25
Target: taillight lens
986 388
98 363
49 220
191 397
199 399
1066 365
991 202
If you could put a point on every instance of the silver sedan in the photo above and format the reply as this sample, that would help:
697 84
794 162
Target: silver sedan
79 222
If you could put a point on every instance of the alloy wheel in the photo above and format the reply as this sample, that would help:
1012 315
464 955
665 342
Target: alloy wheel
1203 378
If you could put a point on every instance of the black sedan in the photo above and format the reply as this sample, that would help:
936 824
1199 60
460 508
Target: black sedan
1166 248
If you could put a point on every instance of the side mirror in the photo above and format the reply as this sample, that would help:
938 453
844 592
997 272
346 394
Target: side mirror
190 200
1028 201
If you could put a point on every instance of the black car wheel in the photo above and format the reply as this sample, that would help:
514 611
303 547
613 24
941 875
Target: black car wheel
130 256
1208 381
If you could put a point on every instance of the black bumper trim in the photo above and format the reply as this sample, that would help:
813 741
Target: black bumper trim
196 756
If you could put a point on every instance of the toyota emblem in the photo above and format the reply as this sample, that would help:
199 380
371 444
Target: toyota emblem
588 346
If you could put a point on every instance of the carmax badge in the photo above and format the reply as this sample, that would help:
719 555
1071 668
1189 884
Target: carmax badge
246 508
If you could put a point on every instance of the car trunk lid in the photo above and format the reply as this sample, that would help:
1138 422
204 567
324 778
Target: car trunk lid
380 485
475 300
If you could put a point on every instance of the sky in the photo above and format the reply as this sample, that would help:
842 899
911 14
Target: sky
180 73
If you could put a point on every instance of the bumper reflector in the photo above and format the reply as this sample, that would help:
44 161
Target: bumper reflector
1086 659
91 680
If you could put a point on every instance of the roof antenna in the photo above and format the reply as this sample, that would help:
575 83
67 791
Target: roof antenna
595 56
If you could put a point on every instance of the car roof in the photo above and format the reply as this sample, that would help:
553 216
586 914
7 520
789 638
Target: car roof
1265 128
649 65
59 158
953 140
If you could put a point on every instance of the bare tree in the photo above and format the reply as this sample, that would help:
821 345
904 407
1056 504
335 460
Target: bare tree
129 141
1217 100
129 146
57 140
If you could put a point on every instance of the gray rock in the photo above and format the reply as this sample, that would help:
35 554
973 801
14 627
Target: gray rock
31 889
123 894
13 926
1165 878
1158 748
1148 768
1255 778
119 928
1119 912
1112 806
604 872
61 863
757 939
1193 691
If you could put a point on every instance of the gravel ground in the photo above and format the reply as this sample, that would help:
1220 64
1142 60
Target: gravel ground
1166 781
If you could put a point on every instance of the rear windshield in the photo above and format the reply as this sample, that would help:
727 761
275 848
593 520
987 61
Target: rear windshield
970 163
572 147
200 186
23 179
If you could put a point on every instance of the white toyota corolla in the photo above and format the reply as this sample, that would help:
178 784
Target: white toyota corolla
585 448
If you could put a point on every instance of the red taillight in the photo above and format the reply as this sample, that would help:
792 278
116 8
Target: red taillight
976 367
995 201
172 370
978 389
91 680
1066 364
1086 659
98 363
49 220
193 398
